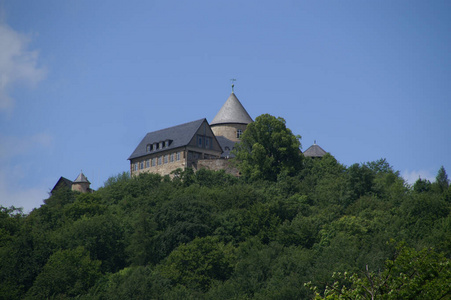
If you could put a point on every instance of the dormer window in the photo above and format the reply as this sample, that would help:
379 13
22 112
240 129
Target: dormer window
149 148
157 146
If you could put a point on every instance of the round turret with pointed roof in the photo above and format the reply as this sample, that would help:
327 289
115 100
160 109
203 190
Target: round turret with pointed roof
232 112
231 120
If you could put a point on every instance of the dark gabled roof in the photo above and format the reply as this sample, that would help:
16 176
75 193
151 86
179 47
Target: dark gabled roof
179 136
226 145
314 151
232 112
62 183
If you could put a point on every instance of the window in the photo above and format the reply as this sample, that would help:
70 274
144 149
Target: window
171 159
178 155
154 162
148 163
208 142
199 141
149 147
157 146
159 160
135 167
166 159
239 132
141 165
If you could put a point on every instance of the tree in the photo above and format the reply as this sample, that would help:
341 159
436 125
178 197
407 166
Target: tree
441 180
412 274
267 149
422 185
67 273
199 263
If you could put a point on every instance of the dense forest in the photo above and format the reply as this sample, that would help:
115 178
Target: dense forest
290 227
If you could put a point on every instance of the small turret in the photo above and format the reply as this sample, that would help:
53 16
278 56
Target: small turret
81 184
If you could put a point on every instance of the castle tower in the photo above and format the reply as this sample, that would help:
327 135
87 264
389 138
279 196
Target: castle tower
315 151
231 120
81 184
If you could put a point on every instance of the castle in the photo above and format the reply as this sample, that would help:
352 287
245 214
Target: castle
80 184
197 144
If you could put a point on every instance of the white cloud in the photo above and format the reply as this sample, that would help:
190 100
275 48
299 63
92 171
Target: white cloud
12 195
14 188
412 176
17 64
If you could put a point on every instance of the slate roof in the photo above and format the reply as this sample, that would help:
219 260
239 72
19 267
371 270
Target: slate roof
180 136
62 182
81 178
314 151
232 112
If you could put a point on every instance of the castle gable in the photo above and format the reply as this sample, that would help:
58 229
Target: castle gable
205 138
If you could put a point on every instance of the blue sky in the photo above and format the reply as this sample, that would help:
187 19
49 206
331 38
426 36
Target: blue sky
82 82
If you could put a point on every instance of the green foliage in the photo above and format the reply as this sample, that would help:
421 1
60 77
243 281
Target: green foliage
67 273
131 283
199 263
267 149
101 235
208 235
412 274
10 221
422 185
442 181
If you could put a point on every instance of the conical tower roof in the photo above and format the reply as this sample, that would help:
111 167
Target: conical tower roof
232 112
314 151
81 178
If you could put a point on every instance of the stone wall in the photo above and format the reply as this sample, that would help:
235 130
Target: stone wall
218 164
82 187
144 164
228 131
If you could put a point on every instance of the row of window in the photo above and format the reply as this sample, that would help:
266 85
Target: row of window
157 161
157 146
204 142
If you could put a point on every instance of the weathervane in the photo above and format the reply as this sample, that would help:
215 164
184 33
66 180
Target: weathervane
232 81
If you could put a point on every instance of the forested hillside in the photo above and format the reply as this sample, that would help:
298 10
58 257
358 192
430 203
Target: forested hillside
209 235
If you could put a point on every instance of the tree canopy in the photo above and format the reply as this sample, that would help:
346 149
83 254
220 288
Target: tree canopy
267 149
210 235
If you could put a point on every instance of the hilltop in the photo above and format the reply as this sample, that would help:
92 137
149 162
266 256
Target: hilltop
211 235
